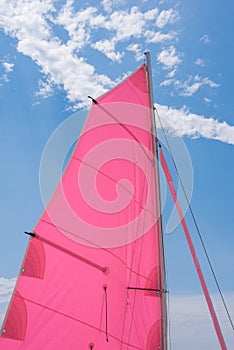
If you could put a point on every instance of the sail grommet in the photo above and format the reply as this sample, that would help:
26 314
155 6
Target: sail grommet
23 270
106 270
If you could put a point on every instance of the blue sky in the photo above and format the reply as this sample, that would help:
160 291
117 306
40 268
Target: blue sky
53 54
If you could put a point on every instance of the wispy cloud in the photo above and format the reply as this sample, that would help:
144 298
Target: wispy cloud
109 4
107 47
137 50
167 16
184 123
6 288
189 317
188 87
200 62
61 61
193 84
205 39
169 58
207 100
7 67
153 36
57 61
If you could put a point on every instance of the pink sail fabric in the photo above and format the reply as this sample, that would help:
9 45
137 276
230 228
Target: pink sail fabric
92 275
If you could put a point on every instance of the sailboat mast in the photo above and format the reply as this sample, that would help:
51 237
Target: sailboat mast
158 199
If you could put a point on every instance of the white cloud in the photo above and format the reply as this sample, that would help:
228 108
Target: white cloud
169 58
109 4
169 78
62 67
7 68
205 39
122 26
56 60
171 74
158 37
108 48
193 84
167 82
200 62
45 89
138 51
167 16
119 26
184 123
61 62
151 14
6 289
130 23
79 24
208 100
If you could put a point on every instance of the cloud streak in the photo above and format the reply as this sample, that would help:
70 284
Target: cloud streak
189 317
184 123
6 289
7 68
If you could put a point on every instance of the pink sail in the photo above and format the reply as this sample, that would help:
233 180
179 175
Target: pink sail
92 276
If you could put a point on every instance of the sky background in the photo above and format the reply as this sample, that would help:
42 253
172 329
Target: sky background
54 53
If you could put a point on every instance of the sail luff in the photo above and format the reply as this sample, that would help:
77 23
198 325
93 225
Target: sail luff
161 248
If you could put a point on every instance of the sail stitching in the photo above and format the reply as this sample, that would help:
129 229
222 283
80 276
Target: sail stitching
134 91
78 320
137 279
122 125
104 249
112 179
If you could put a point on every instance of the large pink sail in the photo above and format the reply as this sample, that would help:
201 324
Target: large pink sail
92 276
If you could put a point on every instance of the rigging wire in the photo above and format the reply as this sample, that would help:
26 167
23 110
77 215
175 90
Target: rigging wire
107 337
196 224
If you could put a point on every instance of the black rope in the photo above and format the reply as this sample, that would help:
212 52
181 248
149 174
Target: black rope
148 289
32 234
107 338
196 225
